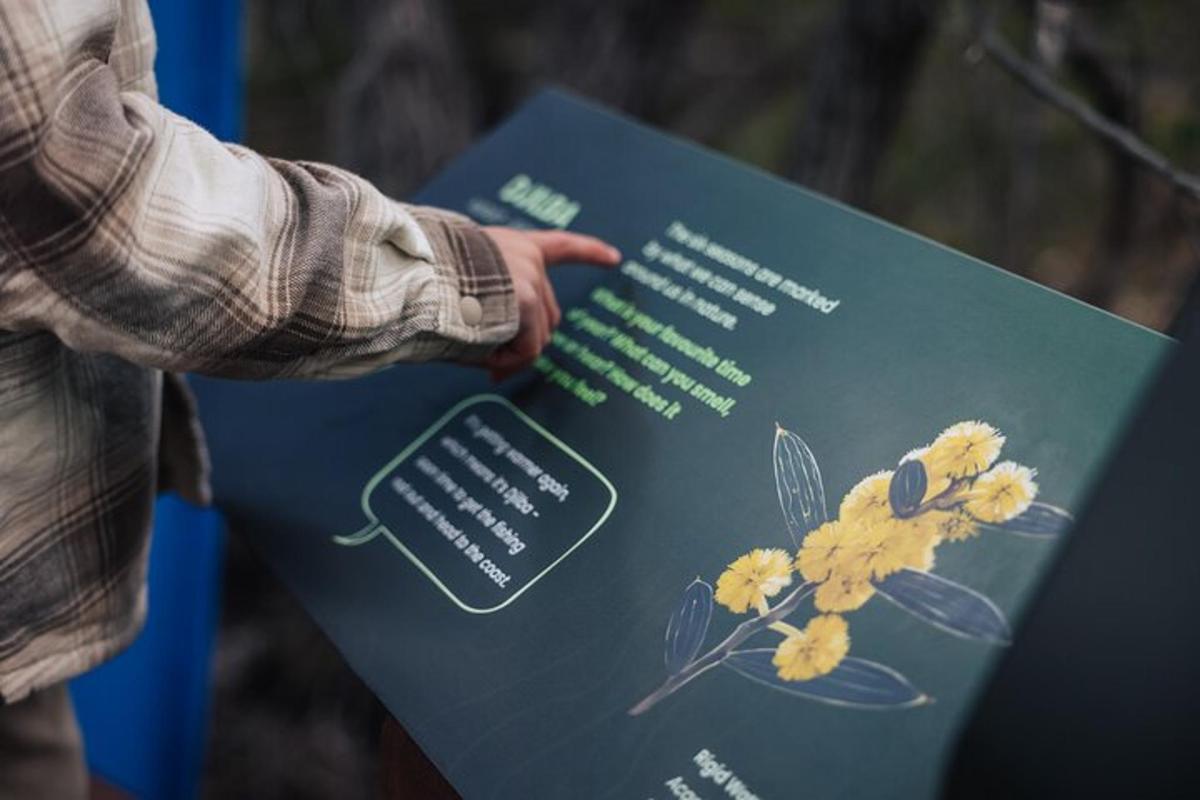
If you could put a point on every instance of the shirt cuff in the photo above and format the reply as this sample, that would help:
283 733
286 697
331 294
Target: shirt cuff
479 308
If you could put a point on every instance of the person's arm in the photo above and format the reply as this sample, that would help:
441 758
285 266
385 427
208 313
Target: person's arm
126 229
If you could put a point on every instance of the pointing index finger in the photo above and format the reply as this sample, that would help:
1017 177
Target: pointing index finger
560 246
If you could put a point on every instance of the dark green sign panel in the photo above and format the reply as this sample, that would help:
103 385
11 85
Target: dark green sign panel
755 526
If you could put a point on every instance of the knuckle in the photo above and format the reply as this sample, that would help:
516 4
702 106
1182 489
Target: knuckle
527 293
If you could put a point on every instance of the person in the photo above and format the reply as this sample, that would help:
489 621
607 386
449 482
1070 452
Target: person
133 247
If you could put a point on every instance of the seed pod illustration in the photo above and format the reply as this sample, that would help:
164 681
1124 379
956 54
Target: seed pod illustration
798 484
688 626
907 488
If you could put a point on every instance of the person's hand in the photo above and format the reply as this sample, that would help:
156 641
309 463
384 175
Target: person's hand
527 254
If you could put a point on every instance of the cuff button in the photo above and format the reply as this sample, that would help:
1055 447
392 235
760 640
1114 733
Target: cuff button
471 310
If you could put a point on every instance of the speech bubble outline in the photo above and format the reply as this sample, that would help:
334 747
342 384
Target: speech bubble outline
377 528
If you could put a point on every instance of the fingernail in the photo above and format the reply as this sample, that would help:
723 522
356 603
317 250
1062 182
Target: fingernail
614 254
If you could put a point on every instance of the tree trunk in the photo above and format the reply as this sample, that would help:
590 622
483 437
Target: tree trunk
860 83
620 52
1115 94
406 102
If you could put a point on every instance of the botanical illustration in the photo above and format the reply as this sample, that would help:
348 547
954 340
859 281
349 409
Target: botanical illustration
881 542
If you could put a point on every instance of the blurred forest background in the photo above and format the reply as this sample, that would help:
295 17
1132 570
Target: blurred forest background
902 107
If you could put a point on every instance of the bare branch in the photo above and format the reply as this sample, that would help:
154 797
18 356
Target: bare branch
1117 136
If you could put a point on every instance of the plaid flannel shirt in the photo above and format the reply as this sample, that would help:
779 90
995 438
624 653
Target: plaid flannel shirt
133 246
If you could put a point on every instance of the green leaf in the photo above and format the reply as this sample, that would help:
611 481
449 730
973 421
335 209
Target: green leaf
1040 520
855 682
945 604
798 484
688 625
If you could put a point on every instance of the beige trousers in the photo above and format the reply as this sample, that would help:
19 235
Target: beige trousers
41 750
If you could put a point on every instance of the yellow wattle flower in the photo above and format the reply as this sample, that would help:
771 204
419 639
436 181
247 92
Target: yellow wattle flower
1002 492
821 551
871 552
958 526
752 578
938 483
842 592
815 651
914 540
964 450
867 503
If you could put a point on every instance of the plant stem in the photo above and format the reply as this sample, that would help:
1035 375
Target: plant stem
786 628
719 653
942 502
